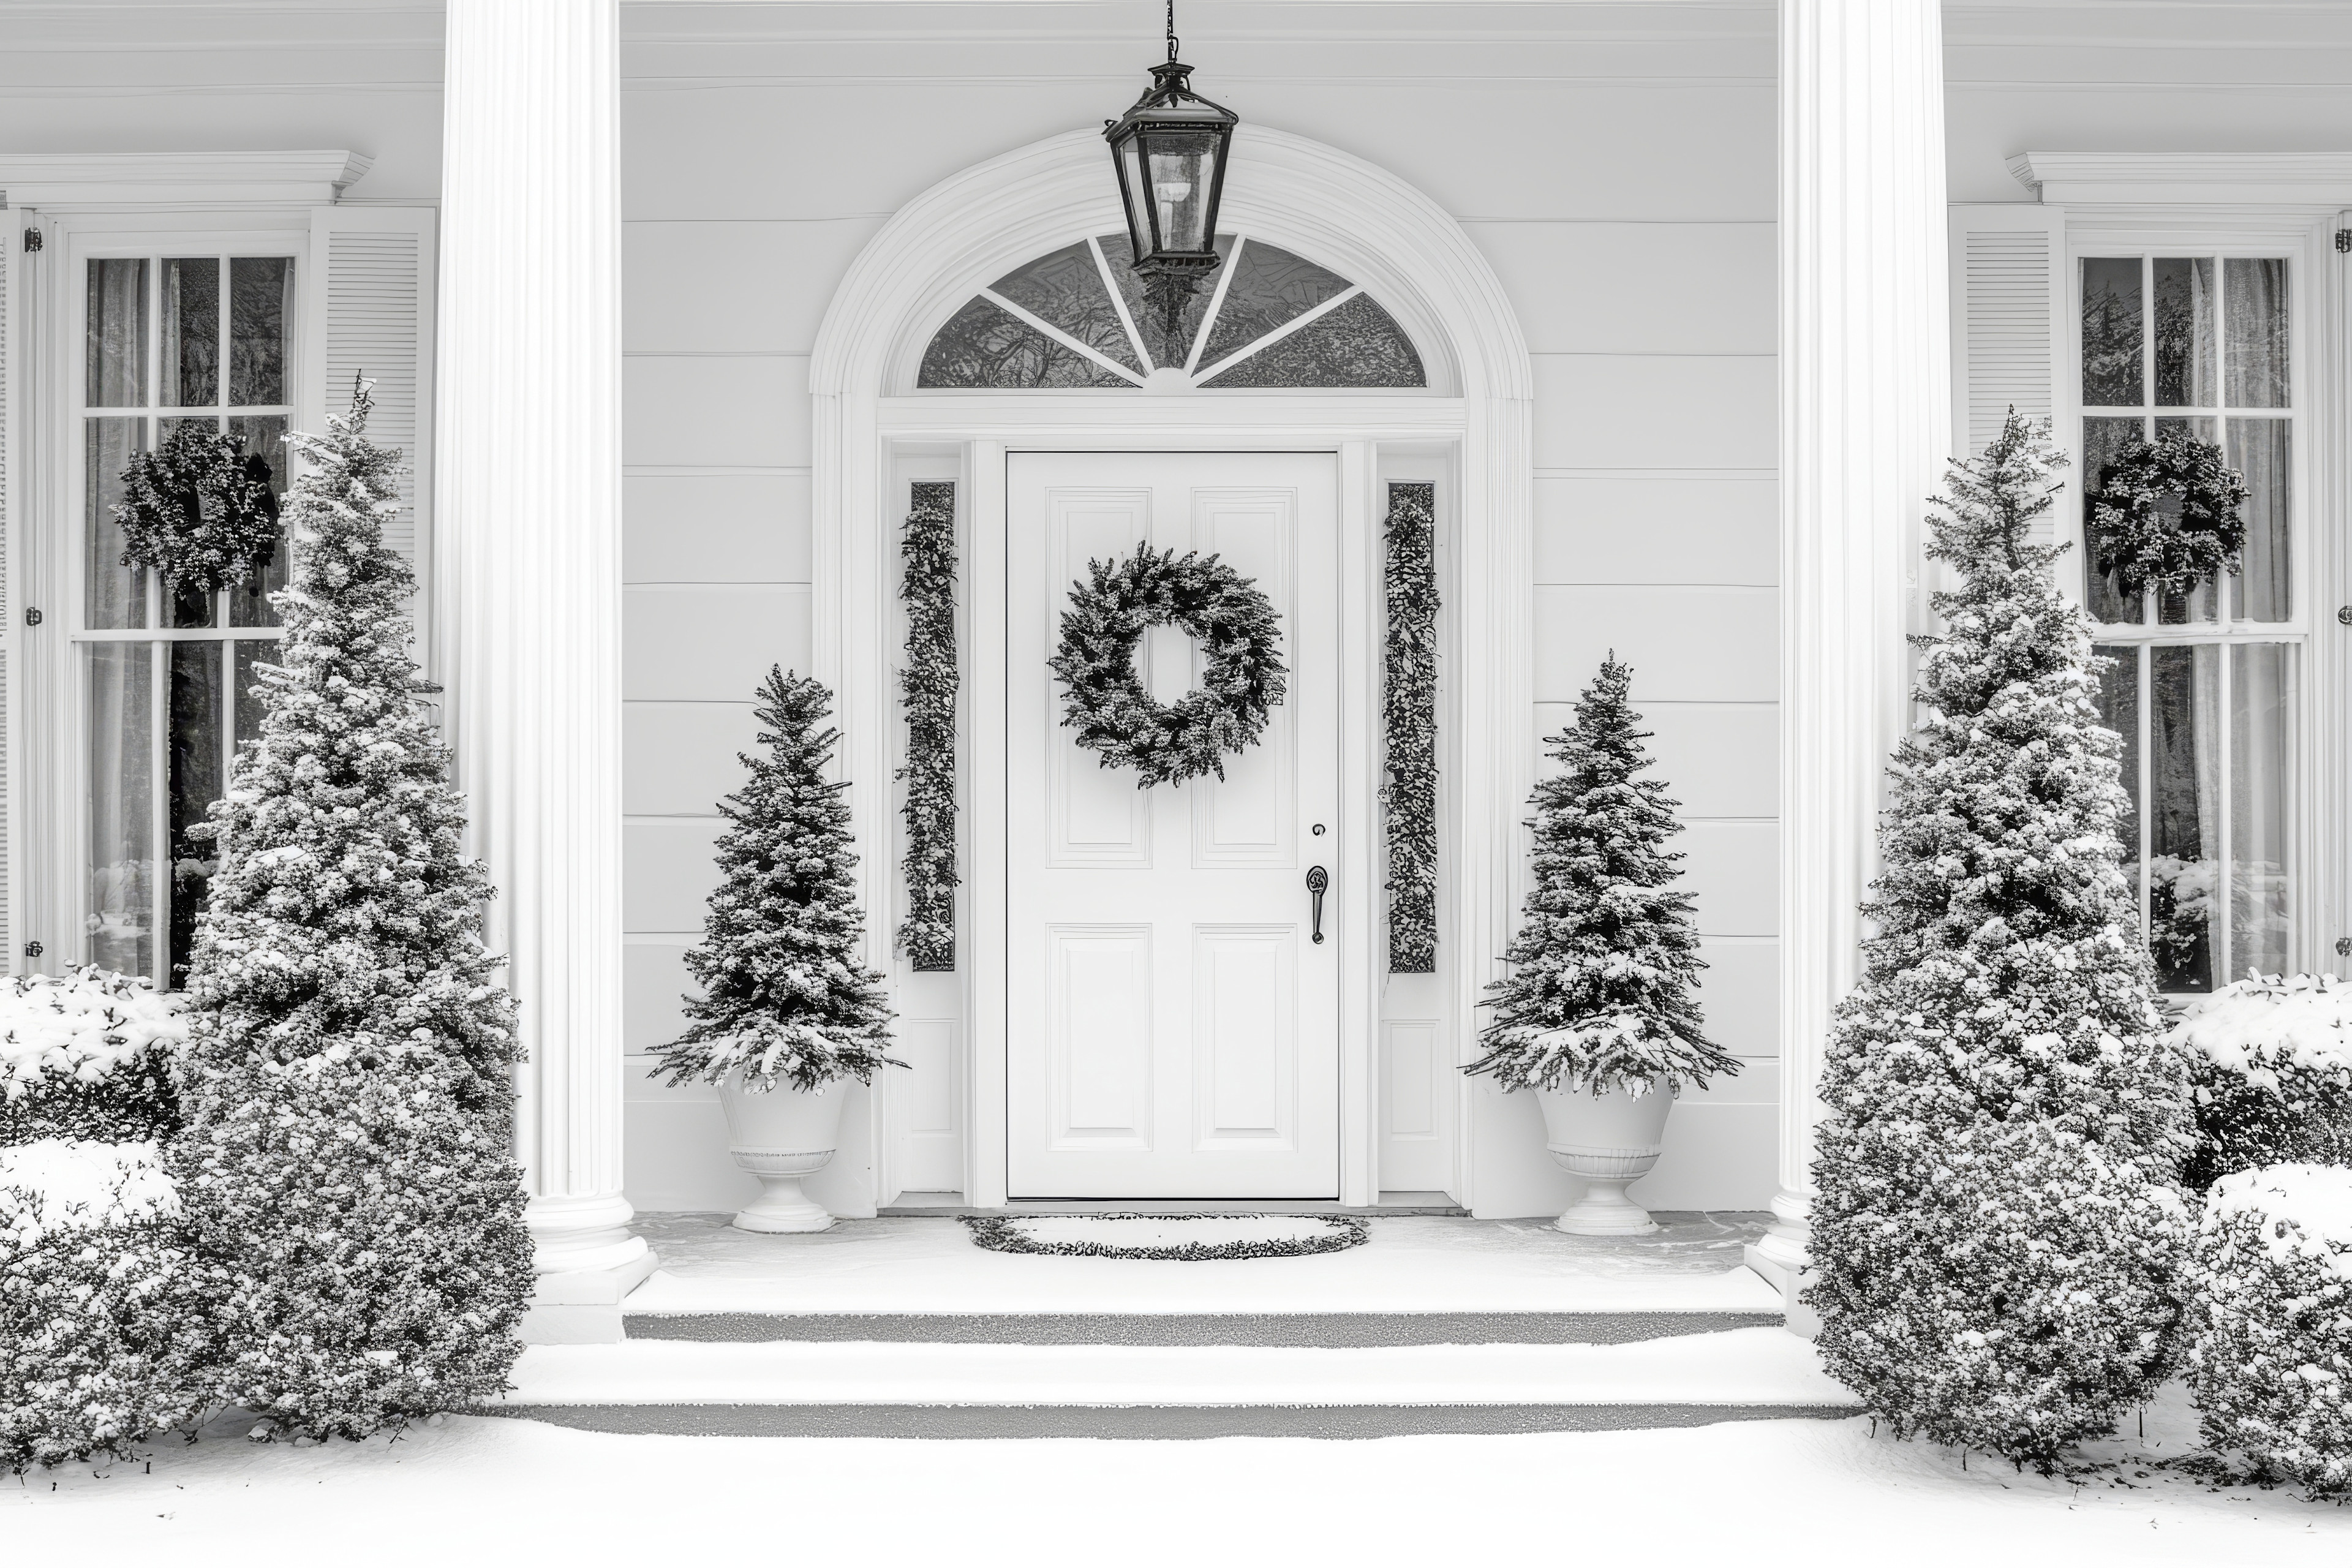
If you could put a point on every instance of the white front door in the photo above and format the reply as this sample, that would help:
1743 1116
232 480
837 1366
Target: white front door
1172 1025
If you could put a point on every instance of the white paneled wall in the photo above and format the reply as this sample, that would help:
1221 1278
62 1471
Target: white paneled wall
1643 281
1656 538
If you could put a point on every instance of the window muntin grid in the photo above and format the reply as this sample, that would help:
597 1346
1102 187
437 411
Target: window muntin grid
169 335
2206 686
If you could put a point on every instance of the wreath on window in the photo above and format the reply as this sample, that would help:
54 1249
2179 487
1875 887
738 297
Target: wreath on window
201 510
2167 515
1241 680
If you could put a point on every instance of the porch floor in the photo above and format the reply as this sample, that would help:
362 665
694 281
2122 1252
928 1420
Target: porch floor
1410 1265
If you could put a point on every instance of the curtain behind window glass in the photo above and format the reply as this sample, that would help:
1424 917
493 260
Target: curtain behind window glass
2262 827
121 806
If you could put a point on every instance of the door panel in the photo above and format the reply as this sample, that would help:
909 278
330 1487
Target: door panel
1173 1026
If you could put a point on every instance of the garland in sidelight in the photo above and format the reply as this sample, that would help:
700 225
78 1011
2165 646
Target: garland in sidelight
927 689
1410 722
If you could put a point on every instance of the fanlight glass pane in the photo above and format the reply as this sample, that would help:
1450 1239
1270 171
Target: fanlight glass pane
1270 286
1263 330
1164 348
1354 344
1066 289
985 345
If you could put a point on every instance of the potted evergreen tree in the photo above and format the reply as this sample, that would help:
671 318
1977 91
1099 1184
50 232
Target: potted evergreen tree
789 1010
1596 1015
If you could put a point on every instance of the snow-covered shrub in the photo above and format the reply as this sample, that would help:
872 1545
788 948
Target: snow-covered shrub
2271 1368
87 1054
352 1198
787 1000
95 1316
1599 995
2270 1060
1997 1232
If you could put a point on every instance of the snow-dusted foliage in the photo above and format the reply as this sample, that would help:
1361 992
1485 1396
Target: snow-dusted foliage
2271 1368
94 1305
2270 1059
1602 967
354 1208
927 691
787 998
1997 1233
87 1054
1409 726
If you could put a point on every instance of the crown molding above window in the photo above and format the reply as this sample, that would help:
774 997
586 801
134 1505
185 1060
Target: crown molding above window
115 182
2230 179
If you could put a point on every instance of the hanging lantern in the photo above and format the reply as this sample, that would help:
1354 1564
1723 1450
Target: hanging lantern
1170 151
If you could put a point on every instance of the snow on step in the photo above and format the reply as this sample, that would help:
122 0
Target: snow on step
1743 1367
1410 1266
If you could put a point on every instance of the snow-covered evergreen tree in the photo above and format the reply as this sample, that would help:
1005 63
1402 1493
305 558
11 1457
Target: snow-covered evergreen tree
1598 995
346 1169
787 997
1997 1235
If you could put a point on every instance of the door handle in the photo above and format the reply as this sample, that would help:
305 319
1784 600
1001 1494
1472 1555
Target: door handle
1318 883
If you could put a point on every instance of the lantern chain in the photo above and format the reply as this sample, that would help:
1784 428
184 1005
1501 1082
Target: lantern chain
1171 31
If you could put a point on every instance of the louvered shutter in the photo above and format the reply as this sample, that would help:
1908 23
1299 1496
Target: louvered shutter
371 316
2009 303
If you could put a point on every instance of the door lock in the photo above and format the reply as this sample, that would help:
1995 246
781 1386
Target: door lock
1318 883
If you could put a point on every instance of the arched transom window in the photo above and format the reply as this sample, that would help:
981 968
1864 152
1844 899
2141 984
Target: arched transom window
1262 318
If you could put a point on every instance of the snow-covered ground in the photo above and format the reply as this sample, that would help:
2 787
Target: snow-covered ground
495 1491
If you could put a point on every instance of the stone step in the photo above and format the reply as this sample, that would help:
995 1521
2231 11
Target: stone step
1330 1331
808 1388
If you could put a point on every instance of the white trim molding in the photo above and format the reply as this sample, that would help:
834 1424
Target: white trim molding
2213 179
948 243
115 182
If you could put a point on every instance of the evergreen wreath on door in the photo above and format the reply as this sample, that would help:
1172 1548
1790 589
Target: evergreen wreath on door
2148 544
200 510
1243 677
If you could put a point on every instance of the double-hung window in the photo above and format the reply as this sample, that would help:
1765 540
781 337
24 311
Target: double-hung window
169 336
2206 683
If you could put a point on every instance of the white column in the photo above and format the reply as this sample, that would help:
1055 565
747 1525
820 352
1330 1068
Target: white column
527 576
1865 431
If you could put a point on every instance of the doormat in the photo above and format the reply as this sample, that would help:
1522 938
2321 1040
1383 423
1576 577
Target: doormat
1177 1238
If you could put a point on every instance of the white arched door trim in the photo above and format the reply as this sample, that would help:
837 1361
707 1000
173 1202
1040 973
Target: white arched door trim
1335 209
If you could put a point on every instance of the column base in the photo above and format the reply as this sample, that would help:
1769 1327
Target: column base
1779 1257
582 1305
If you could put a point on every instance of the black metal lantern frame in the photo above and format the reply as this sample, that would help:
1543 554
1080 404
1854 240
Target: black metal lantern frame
1171 152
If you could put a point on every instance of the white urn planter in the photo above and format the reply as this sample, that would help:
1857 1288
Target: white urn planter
1611 1141
782 1136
